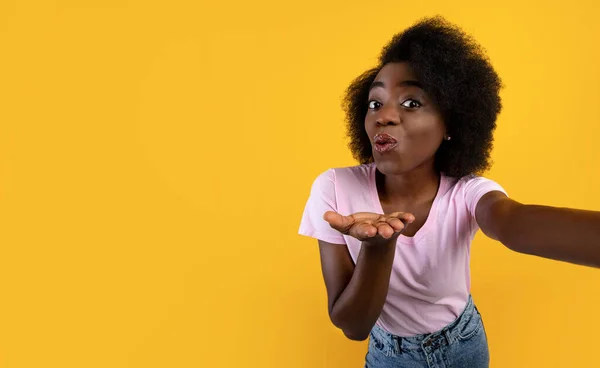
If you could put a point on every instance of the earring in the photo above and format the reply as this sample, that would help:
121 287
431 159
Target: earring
448 138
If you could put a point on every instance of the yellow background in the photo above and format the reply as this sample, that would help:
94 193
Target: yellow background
155 159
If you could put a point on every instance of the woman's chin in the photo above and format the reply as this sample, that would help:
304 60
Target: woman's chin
390 167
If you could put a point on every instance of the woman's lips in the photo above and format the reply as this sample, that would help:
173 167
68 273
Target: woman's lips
384 142
385 147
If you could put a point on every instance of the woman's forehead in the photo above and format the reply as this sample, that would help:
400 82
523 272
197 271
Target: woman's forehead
396 74
398 70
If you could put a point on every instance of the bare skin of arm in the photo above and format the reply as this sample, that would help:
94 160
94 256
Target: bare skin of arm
356 293
562 234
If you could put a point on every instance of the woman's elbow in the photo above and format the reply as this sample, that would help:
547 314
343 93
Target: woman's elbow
356 336
350 330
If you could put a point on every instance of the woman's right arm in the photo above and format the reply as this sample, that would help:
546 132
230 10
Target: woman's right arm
356 293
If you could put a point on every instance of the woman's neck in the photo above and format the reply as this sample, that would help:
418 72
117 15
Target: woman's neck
418 185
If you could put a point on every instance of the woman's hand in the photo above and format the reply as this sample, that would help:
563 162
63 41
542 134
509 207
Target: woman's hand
370 228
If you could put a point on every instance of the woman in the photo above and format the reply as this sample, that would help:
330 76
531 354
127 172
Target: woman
395 231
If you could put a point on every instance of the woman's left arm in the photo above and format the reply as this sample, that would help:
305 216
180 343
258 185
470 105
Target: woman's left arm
562 234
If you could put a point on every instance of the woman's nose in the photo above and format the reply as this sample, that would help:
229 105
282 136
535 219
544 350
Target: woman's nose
388 115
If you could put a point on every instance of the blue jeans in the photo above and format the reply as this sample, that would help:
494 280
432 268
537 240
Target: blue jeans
461 344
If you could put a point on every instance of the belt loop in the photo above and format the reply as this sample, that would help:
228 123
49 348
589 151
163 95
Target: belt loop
447 336
398 344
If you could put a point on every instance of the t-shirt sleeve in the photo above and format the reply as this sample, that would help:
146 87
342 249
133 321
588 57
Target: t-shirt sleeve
322 199
475 188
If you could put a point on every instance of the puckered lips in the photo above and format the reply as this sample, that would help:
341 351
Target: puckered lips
384 142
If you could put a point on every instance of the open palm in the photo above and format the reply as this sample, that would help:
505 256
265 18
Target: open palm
368 226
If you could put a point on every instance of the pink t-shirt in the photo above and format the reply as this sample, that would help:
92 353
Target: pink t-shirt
430 280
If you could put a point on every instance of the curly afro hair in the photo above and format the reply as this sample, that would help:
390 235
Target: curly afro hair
457 74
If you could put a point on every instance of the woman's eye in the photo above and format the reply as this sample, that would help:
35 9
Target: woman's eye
411 104
374 104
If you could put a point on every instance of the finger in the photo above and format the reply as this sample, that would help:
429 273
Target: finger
396 224
339 222
366 216
404 216
363 230
384 229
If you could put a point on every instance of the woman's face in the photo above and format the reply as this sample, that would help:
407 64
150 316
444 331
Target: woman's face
403 124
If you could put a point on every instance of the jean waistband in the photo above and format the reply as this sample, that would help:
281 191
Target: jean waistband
444 336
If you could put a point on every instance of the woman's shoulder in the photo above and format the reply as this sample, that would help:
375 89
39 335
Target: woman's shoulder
470 188
473 182
357 175
347 177
467 181
356 171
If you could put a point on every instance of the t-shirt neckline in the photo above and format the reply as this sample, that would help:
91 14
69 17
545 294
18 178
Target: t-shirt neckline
431 217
